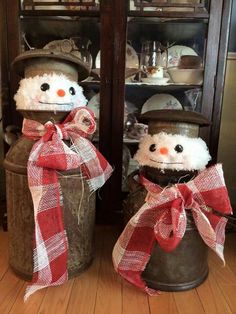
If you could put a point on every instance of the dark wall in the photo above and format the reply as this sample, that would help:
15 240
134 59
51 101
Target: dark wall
232 36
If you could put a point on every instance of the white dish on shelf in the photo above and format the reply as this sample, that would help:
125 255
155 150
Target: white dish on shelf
186 76
155 80
128 140
132 60
160 102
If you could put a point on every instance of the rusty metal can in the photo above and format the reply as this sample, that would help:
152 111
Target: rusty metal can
184 268
78 212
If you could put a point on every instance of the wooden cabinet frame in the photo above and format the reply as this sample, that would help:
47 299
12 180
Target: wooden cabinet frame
113 20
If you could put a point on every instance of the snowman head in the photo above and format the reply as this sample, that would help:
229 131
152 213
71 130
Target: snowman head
52 92
175 152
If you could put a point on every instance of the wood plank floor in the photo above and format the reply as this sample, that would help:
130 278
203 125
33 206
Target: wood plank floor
100 290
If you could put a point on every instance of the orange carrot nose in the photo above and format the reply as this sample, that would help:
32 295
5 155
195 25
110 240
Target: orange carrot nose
61 93
164 150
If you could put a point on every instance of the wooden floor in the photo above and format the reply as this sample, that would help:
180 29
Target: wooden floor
100 290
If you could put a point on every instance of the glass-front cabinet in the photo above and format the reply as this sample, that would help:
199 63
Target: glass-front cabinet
143 55
173 60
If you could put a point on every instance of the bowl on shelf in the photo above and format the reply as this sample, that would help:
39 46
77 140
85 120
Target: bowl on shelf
190 62
186 76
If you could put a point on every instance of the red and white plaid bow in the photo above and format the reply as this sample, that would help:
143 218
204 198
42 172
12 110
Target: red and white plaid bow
49 154
163 219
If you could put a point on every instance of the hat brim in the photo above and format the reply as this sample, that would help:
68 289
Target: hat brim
20 62
170 115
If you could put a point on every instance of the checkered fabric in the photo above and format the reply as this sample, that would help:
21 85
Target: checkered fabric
163 219
48 155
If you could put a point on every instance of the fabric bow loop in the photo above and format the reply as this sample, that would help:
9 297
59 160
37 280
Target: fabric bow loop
61 156
171 220
171 217
82 122
186 194
49 153
171 225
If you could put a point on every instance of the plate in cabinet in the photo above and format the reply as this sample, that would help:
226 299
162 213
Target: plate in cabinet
132 60
160 102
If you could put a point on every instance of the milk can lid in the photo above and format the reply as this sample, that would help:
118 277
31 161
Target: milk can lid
35 62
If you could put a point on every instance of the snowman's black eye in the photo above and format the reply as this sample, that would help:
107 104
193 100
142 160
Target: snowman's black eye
72 91
44 87
152 148
179 148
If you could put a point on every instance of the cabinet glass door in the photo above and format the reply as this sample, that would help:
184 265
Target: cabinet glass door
165 63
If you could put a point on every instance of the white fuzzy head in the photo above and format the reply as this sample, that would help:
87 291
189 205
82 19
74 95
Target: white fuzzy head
50 92
176 152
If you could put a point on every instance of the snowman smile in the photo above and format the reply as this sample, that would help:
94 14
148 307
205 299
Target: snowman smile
55 103
166 163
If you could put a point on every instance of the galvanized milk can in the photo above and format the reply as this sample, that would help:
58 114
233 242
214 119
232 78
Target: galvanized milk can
78 203
78 209
186 267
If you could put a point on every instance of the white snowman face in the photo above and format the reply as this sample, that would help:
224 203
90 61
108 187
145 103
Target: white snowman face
176 152
50 92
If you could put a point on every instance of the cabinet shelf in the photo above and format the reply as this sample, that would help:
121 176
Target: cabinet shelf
168 87
128 141
58 7
167 20
91 84
193 15
42 13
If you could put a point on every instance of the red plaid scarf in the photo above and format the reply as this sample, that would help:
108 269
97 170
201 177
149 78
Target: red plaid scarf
49 154
163 219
